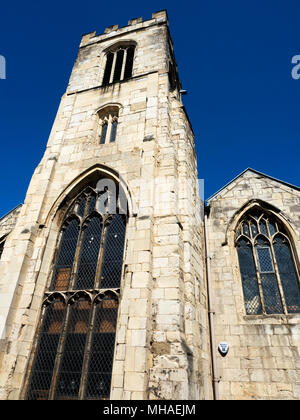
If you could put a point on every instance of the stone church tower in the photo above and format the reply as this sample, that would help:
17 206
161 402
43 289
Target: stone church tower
114 284
130 296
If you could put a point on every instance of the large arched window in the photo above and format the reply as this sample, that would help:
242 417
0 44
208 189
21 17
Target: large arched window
76 338
270 279
119 64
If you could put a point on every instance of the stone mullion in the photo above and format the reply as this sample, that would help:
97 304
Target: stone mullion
113 67
123 64
76 258
87 352
101 255
109 128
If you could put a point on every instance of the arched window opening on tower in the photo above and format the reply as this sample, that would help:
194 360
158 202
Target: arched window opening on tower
74 354
172 77
119 64
2 243
108 123
267 260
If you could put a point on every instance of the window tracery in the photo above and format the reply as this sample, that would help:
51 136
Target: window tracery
119 64
269 273
74 355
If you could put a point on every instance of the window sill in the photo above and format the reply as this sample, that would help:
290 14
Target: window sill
276 318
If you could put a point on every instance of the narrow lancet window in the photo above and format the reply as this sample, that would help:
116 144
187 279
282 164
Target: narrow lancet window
108 123
113 133
103 132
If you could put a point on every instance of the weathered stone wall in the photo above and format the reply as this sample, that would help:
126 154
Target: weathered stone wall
263 359
161 344
8 222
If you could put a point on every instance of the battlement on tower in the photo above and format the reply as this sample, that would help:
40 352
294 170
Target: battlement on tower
160 17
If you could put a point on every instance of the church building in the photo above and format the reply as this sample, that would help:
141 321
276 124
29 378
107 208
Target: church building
116 280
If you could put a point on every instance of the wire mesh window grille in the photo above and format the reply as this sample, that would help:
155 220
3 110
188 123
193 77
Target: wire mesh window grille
73 357
102 349
269 273
264 259
119 64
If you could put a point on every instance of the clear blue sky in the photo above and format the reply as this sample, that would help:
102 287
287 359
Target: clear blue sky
234 59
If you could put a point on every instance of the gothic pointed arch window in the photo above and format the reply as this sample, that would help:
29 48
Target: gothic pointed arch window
119 63
74 351
268 267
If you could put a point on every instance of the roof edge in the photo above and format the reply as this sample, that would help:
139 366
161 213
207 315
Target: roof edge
258 173
11 211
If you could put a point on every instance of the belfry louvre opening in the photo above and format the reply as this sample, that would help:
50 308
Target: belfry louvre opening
75 347
119 64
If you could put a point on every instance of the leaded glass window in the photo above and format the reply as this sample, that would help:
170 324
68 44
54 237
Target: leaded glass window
270 278
74 353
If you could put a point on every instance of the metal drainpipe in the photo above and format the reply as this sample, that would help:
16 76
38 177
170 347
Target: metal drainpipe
215 378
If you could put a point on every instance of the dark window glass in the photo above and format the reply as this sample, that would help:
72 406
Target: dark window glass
66 256
129 63
272 265
287 274
253 228
69 376
246 229
81 205
75 349
108 67
113 133
113 253
41 376
263 227
249 278
272 300
92 203
272 228
102 350
118 66
1 248
264 259
103 133
172 76
89 255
